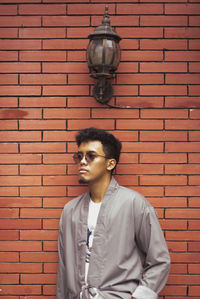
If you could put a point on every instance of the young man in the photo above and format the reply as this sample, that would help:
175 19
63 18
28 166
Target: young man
110 242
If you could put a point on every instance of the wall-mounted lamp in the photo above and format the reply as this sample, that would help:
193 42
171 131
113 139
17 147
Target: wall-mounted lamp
103 55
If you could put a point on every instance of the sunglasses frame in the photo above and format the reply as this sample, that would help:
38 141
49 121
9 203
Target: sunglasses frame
89 157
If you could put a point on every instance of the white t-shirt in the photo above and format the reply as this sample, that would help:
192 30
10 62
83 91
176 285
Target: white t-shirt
93 213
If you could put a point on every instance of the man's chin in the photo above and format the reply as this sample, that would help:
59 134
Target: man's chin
83 181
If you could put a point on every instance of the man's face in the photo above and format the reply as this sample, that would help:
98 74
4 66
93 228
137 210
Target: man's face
95 170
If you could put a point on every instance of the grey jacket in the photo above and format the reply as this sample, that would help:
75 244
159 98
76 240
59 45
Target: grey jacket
129 252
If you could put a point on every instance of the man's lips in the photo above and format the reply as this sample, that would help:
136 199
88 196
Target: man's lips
83 170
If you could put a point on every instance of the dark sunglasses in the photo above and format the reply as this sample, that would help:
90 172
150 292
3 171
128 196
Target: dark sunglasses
89 157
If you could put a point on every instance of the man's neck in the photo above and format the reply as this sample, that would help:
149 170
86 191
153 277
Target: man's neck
98 189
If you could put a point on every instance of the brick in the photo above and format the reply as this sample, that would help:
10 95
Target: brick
19 180
40 213
8 191
9 235
182 124
163 90
18 202
194 21
42 56
194 114
182 191
163 67
9 278
131 9
107 113
194 90
57 158
182 235
20 67
194 158
193 268
42 102
20 113
38 278
182 79
194 202
182 169
9 169
177 246
57 44
20 224
162 180
182 9
141 55
58 136
60 180
140 32
194 180
65 90
8 56
140 124
187 32
20 246
8 102
8 32
79 124
9 257
194 246
194 67
20 158
182 56
42 9
163 136
38 257
194 45
163 44
42 170
21 290
50 268
43 147
42 124
43 79
142 147
42 33
68 67
164 113
182 147
80 79
183 279
8 10
43 191
18 21
163 158
20 44
180 225
163 21
13 148
129 44
118 20
127 180
50 245
63 21
138 102
20 136
194 291
51 224
38 235
83 9
140 78
66 113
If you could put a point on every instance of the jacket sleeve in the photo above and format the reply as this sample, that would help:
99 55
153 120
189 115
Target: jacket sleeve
60 286
153 248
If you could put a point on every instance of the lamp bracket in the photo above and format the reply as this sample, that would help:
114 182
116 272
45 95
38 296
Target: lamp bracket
103 90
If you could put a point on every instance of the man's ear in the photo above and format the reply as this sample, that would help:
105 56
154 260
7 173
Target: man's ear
111 164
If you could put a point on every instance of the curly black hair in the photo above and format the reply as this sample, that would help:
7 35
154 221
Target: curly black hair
111 145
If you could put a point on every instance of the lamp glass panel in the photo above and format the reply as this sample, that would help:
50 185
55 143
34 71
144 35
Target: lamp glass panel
117 55
96 52
109 51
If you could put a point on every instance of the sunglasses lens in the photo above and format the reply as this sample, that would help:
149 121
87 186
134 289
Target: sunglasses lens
77 157
90 157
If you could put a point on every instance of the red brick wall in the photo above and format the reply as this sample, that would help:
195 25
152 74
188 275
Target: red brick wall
45 97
